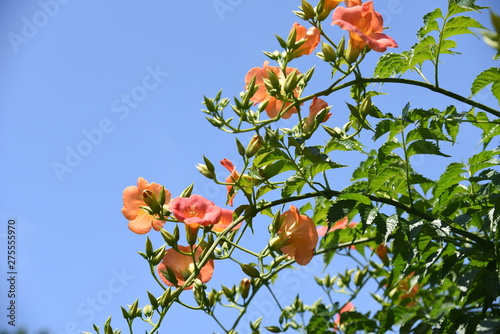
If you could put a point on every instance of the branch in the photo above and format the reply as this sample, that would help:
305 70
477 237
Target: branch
428 86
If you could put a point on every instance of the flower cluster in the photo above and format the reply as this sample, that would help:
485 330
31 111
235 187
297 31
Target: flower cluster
149 205
365 27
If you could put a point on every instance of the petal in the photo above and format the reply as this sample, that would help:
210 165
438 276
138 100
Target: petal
141 224
132 201
226 219
228 164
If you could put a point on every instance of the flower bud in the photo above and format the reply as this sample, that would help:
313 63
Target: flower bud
340 47
158 255
203 169
191 233
307 9
212 298
245 287
229 293
335 133
275 244
291 82
147 311
272 137
168 237
366 107
329 54
254 146
149 198
165 298
250 270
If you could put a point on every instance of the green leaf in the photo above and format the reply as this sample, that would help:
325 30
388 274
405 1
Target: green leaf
460 6
343 145
460 25
430 23
277 167
383 127
485 78
267 156
391 65
422 51
447 45
483 160
339 210
424 147
451 177
295 183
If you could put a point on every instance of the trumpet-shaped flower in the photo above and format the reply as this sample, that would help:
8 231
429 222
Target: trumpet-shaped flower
365 27
311 37
134 208
298 236
195 210
232 178
274 106
183 266
317 105
226 219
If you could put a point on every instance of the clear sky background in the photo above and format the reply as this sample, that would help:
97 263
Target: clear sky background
94 94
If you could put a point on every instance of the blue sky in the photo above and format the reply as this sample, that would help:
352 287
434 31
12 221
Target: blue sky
94 94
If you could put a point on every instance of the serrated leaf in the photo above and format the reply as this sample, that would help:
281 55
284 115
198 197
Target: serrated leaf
277 167
387 173
451 177
343 145
267 156
485 78
318 167
460 6
430 23
460 25
391 65
382 128
292 184
447 45
339 209
422 51
424 147
483 160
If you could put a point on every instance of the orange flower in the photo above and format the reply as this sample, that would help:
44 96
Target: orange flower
140 220
339 225
365 27
183 266
195 210
225 220
275 106
330 5
316 106
347 308
298 236
311 37
232 178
